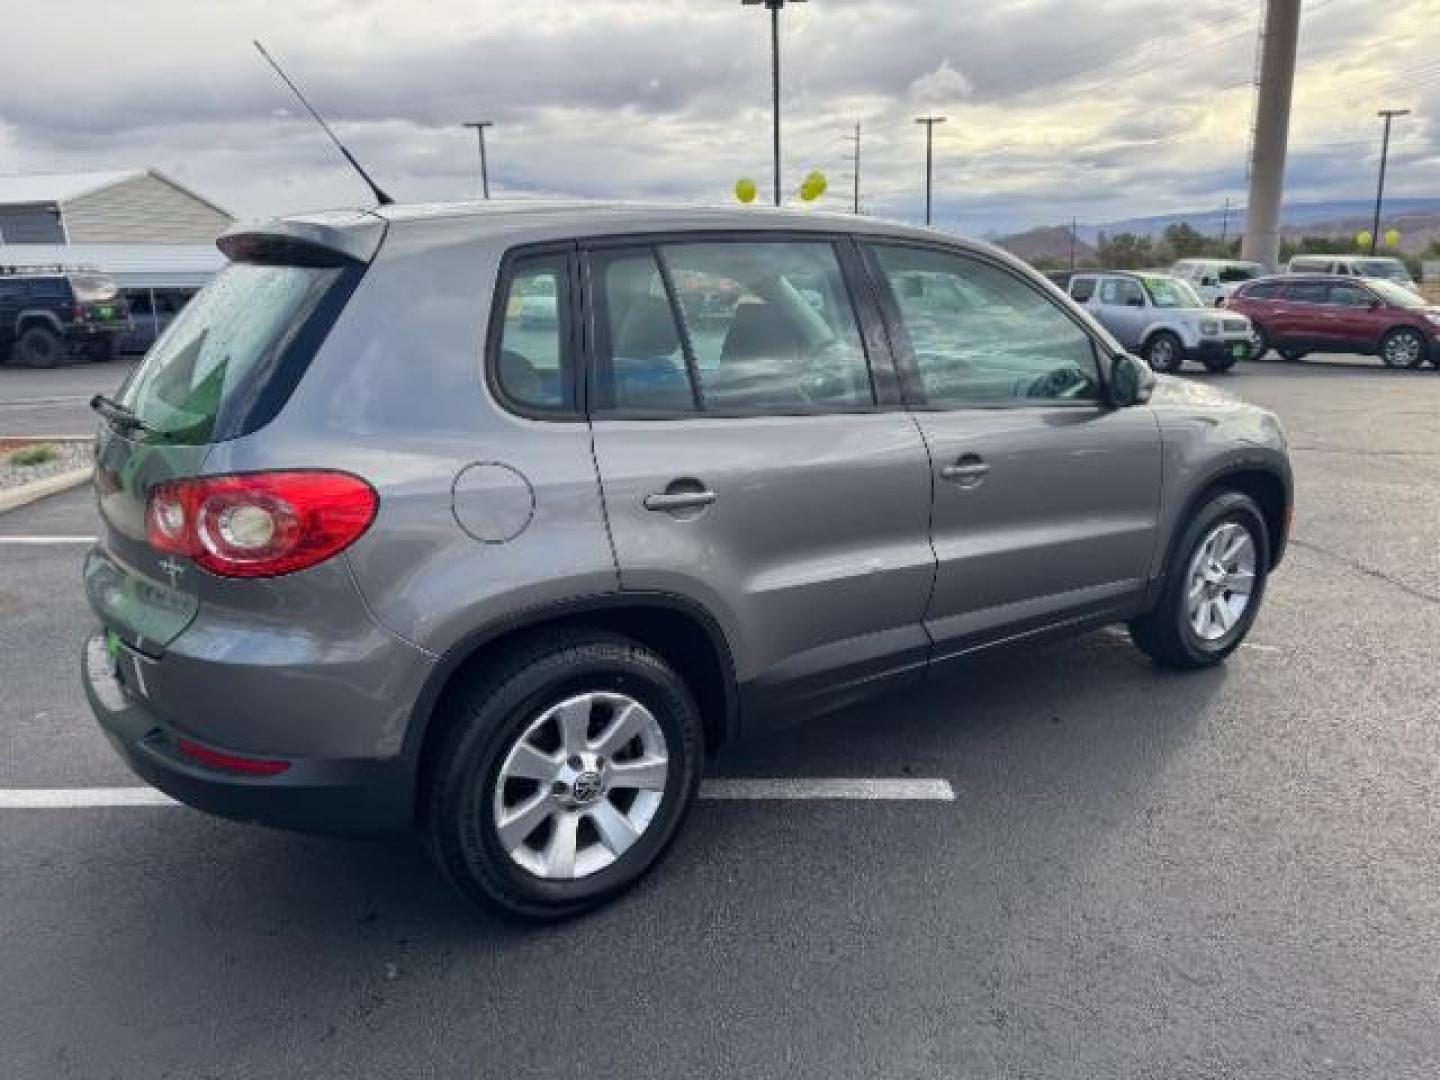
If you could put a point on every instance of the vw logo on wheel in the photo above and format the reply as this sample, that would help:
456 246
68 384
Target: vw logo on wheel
587 787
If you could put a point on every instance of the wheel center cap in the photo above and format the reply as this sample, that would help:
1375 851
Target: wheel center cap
587 787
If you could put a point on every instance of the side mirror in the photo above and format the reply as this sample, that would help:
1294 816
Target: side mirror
1131 381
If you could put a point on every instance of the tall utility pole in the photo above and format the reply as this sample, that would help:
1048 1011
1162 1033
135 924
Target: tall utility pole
480 126
1388 114
1225 222
1272 132
929 122
774 7
855 171
1074 228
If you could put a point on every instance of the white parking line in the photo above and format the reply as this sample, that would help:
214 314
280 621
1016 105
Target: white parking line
752 790
37 540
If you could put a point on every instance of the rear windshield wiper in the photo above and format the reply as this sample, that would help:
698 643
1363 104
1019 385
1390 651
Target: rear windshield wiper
119 415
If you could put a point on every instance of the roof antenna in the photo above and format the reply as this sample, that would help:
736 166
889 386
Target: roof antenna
380 196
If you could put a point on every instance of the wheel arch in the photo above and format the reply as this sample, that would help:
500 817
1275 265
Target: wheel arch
29 320
1267 487
675 627
1154 330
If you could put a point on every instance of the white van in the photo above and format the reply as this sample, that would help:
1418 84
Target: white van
1215 279
1373 266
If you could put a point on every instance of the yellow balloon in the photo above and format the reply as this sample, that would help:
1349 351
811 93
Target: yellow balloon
816 179
1363 238
745 189
1392 238
809 191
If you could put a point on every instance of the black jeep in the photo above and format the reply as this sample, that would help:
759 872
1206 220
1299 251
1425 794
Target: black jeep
49 316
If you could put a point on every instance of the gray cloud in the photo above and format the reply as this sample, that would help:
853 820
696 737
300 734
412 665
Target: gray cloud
1053 110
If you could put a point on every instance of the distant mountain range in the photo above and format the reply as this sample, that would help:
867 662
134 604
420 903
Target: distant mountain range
1418 220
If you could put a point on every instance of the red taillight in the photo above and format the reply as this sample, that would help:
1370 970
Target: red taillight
259 524
79 312
218 759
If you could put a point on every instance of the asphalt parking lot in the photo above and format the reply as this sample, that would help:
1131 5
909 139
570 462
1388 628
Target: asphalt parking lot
1229 874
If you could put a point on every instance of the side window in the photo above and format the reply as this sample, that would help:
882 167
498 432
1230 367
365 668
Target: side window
1009 345
532 366
50 290
1122 292
1347 295
1264 291
1309 292
1082 289
727 327
640 359
139 300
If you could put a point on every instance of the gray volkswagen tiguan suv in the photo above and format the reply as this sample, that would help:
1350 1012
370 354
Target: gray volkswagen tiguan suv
381 548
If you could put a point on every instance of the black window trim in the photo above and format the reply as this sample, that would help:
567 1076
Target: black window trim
903 350
879 359
568 319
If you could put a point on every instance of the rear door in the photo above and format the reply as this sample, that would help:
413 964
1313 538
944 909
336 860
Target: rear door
754 455
1302 318
1045 497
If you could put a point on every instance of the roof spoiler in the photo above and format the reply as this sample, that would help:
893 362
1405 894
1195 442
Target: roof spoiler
322 240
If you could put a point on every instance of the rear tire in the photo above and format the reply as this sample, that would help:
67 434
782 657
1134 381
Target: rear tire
38 347
1199 619
558 856
1219 366
1164 353
1293 355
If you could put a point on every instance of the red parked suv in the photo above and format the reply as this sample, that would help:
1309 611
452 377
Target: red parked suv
1296 314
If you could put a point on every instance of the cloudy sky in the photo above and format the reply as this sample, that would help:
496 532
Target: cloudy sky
1106 109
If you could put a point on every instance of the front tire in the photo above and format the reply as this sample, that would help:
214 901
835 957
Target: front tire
565 773
1164 353
1259 342
1214 583
1403 348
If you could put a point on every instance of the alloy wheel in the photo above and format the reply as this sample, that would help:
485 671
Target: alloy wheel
1403 349
1220 580
580 786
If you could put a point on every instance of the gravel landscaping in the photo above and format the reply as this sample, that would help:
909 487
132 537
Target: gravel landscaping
68 456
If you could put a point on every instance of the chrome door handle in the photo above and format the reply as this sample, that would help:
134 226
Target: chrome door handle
967 471
679 500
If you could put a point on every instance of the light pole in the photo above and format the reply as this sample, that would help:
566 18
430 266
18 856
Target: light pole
774 7
1388 114
929 122
480 126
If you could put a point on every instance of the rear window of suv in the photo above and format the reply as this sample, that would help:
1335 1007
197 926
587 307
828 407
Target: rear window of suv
229 361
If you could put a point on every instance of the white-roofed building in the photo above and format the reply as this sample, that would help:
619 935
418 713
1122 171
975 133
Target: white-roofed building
154 237
142 206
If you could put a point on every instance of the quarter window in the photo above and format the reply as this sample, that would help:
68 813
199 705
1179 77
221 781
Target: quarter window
1082 289
532 363
727 327
1004 343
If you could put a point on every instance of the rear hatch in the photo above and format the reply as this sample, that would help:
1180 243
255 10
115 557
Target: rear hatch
223 369
98 302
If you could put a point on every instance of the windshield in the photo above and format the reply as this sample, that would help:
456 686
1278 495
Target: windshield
1241 271
1389 269
223 346
93 287
1396 295
1168 292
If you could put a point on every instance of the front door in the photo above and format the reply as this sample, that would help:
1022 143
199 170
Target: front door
1355 319
1046 497
1120 304
748 463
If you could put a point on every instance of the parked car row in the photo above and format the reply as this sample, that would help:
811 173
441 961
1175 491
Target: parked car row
1214 280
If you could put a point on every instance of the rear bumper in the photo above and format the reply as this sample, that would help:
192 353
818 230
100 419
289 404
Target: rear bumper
338 797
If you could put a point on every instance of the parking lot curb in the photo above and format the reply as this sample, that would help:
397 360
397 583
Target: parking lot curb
25 494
